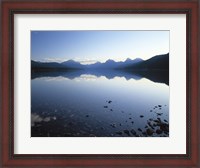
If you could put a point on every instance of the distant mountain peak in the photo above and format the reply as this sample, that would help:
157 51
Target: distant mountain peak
128 59
138 59
70 61
110 61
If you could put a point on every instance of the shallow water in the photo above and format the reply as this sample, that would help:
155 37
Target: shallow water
87 105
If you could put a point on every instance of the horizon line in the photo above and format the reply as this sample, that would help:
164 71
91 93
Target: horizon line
94 61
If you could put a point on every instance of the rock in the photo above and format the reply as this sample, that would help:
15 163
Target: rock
159 106
159 114
166 121
149 132
105 106
158 131
87 116
166 132
164 127
120 124
156 121
127 132
154 125
139 130
146 126
130 118
111 109
141 116
109 101
113 125
132 122
133 132
119 133
150 110
144 133
150 125
159 119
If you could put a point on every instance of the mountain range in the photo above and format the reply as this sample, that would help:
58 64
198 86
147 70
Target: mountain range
159 62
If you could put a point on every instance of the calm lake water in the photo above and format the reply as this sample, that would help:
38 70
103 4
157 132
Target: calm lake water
83 104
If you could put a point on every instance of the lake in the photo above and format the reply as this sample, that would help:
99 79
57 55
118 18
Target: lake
99 104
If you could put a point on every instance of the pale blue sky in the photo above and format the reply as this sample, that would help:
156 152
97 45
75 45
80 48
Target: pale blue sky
91 46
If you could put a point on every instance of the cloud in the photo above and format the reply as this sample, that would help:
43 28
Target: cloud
88 61
81 60
54 59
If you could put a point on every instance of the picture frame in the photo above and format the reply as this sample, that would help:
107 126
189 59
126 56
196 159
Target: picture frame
189 8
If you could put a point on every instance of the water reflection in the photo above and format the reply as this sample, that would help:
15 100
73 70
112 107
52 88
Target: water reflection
101 104
155 76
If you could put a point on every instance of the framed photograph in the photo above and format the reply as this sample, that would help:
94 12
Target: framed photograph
100 84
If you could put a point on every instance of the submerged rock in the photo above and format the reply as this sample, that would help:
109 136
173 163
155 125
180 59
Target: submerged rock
139 130
119 133
105 106
164 127
113 125
150 125
127 132
133 132
141 116
158 131
149 132
87 116
144 133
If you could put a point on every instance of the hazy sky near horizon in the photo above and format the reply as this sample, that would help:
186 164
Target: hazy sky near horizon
92 46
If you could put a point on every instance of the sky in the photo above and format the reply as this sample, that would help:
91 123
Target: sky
91 46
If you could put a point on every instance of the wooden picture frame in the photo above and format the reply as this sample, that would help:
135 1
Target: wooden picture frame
11 7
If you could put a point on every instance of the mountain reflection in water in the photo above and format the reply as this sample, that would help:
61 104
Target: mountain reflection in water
160 76
100 103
